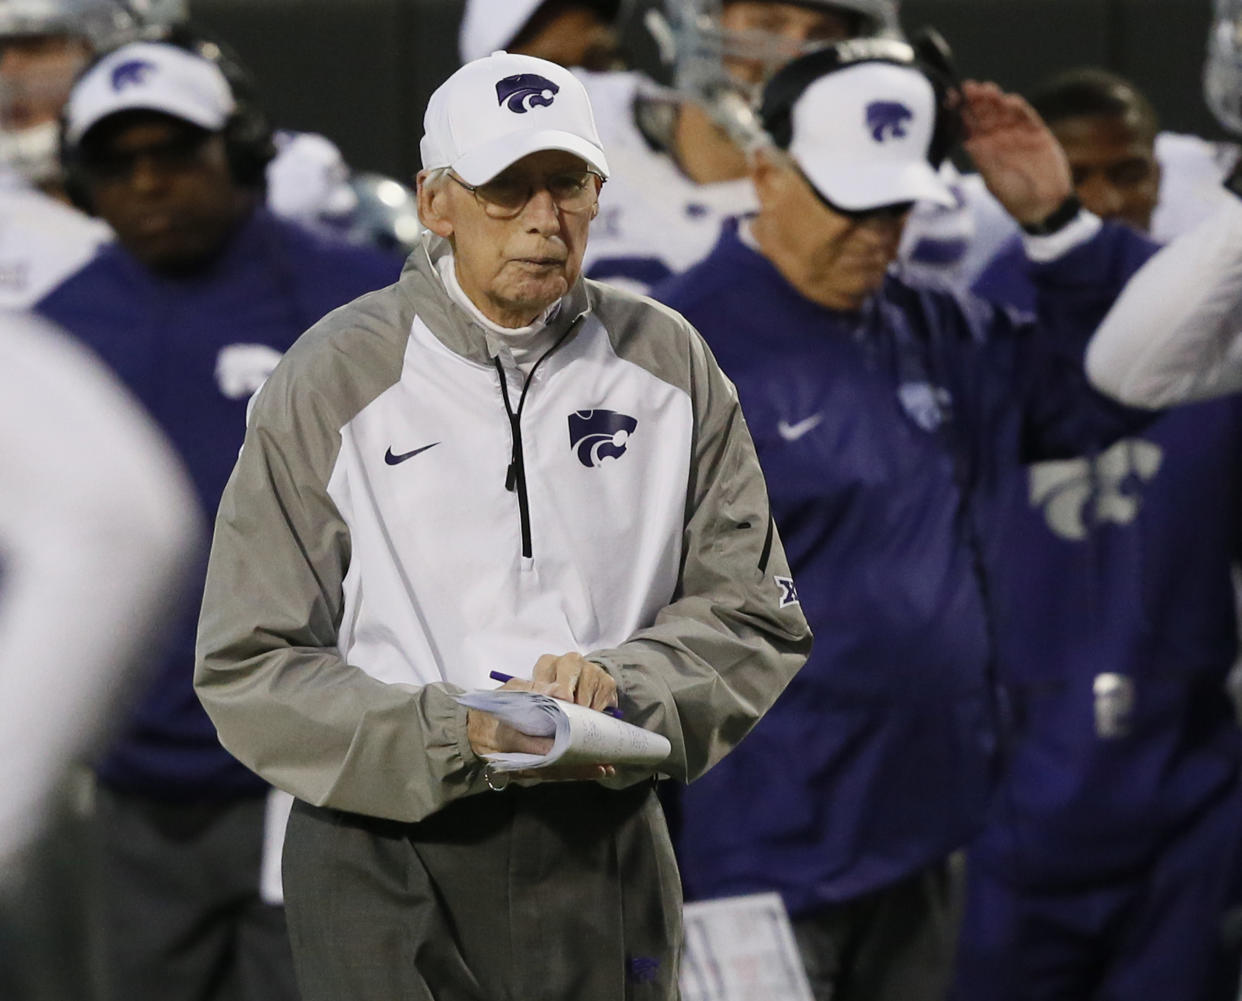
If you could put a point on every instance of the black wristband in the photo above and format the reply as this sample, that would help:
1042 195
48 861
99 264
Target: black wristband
1064 214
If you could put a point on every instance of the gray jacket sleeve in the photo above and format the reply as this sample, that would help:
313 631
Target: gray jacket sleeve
718 656
282 699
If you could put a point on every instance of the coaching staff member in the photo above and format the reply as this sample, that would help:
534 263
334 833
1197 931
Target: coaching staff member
492 459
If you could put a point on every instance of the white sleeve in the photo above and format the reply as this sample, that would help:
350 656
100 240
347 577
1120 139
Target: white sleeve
99 530
1175 334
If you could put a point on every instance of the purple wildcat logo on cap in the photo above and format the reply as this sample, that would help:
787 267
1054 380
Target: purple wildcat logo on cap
132 73
887 120
524 91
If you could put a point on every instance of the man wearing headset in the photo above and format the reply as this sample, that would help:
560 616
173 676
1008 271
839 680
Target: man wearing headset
883 414
192 306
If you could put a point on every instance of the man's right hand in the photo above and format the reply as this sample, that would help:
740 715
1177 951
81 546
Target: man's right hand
1018 158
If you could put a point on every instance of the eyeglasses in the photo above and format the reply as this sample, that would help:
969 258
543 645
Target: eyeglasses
174 155
505 196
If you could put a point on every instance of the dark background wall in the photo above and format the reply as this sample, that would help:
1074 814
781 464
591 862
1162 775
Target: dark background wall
360 71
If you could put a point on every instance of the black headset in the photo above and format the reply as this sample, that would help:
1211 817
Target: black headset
929 54
247 133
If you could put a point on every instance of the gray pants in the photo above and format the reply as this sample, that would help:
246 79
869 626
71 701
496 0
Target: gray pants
896 944
559 892
45 943
180 914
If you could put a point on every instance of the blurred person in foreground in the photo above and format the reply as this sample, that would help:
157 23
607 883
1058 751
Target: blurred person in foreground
191 306
885 415
494 464
100 532
1111 858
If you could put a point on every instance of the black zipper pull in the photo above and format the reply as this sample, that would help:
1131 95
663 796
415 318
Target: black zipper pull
511 477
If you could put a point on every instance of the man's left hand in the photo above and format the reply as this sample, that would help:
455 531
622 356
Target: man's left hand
573 678
1017 156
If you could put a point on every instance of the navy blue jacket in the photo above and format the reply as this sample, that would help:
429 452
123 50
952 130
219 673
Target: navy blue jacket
883 435
167 341
1115 564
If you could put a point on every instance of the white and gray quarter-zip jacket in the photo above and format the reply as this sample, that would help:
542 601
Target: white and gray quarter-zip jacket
410 511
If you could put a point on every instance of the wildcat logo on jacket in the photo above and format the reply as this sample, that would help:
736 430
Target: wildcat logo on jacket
927 405
596 435
1078 493
241 369
523 91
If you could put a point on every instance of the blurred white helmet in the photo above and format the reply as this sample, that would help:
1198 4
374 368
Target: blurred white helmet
705 49
102 23
1222 71
490 25
160 13
879 17
34 87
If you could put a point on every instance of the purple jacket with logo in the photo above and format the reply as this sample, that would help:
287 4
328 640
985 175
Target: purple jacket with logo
885 437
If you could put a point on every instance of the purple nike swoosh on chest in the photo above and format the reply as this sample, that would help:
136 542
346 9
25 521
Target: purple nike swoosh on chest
396 460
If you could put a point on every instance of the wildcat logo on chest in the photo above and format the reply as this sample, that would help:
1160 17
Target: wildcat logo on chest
596 435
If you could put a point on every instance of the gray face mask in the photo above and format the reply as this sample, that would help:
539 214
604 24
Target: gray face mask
1222 70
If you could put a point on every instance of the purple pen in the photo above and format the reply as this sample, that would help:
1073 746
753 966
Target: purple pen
500 676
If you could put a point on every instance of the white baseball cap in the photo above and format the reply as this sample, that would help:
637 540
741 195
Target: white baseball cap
150 76
488 25
861 136
496 110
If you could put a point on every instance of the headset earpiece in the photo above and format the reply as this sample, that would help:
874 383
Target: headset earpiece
935 56
72 178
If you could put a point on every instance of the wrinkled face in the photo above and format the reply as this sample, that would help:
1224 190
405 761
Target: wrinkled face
788 28
1114 166
36 74
165 187
513 268
844 257
571 36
